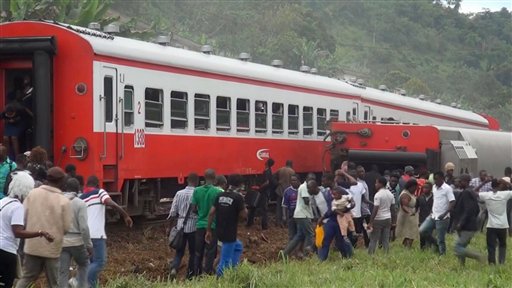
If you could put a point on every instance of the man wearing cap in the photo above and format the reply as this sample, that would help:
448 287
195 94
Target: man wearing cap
497 226
48 209
449 168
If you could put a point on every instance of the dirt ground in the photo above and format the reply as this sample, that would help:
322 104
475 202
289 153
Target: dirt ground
144 250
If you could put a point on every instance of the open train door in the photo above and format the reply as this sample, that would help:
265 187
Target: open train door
109 99
31 59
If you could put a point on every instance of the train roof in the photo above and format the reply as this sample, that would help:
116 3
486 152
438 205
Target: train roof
147 52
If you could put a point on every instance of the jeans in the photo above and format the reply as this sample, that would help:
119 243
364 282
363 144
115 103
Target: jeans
441 226
380 234
34 265
304 233
98 261
190 240
7 268
499 235
229 256
332 231
461 246
202 248
292 228
279 211
358 222
79 254
262 207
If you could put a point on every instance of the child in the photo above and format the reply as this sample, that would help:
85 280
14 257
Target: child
342 204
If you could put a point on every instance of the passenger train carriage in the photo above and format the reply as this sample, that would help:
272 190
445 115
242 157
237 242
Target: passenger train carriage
141 116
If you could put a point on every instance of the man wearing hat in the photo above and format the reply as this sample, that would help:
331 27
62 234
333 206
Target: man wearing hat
46 208
408 174
497 225
449 168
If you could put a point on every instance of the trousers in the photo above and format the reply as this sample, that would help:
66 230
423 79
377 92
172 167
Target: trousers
441 226
205 250
7 268
380 234
34 265
189 239
229 256
494 235
358 222
79 255
304 233
332 231
98 261
461 245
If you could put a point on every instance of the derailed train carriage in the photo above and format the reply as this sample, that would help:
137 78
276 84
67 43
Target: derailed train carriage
141 115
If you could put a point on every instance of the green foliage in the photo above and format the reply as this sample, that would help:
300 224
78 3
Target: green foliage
400 268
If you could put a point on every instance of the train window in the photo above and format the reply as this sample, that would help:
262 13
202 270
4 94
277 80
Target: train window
366 116
260 110
223 113
293 119
108 94
179 119
321 119
242 115
202 111
277 118
347 117
307 121
334 115
153 102
374 118
128 106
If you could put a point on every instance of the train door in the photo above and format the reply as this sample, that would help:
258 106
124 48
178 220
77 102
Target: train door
26 78
110 119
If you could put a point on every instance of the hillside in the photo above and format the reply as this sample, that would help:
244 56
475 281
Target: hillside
418 46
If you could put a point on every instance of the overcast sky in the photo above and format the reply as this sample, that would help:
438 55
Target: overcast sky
473 6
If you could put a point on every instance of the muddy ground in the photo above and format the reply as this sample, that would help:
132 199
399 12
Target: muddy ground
144 250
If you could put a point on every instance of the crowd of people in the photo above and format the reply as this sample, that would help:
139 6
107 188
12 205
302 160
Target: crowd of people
58 219
61 219
350 208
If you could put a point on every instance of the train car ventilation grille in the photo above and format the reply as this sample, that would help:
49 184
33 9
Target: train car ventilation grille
464 150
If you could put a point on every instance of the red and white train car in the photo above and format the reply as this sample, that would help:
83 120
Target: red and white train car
141 116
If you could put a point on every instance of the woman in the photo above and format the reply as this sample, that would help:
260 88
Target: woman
13 118
38 164
12 226
407 222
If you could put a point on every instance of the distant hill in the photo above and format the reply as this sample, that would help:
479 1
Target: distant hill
418 46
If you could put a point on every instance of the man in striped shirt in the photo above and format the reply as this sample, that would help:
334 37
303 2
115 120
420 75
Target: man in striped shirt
97 199
180 206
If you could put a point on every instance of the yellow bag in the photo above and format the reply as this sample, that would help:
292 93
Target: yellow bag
319 236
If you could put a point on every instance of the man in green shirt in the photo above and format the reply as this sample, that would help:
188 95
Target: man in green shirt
202 201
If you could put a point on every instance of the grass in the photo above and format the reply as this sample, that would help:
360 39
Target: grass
400 268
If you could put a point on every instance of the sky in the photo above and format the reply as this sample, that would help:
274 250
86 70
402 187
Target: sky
474 6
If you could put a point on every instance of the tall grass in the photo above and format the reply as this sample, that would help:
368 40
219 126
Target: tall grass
400 268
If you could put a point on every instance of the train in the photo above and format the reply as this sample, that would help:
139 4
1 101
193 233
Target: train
142 115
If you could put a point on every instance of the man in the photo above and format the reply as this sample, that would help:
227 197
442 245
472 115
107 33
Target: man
482 183
77 244
289 203
97 200
371 177
393 187
425 203
70 170
21 161
266 189
365 208
466 221
202 201
180 209
284 175
449 168
444 202
357 191
383 217
46 208
228 209
408 174
221 182
303 215
496 203
6 167
319 202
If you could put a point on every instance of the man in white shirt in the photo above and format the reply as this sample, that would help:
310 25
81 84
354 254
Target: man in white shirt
383 216
303 215
444 202
497 225
357 191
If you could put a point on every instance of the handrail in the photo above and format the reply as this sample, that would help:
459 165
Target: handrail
121 102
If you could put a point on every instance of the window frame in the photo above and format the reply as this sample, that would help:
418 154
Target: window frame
174 100
228 109
154 124
278 115
304 127
319 121
199 97
257 129
294 132
239 113
109 99
125 111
